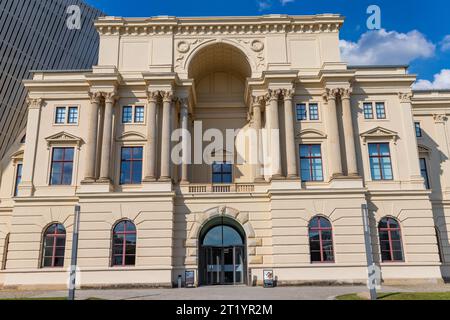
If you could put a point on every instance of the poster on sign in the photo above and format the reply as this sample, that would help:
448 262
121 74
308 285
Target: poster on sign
268 278
190 278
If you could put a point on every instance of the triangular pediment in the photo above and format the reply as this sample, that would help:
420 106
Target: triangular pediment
131 136
311 134
379 133
64 137
423 149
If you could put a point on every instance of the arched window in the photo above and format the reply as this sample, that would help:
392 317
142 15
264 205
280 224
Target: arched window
124 244
321 240
390 240
54 246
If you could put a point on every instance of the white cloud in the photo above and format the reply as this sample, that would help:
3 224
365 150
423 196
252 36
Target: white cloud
445 43
441 81
284 2
383 47
264 4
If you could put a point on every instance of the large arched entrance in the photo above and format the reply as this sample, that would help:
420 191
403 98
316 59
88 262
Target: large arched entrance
222 253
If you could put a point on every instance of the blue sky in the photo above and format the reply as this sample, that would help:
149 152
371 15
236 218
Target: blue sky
413 32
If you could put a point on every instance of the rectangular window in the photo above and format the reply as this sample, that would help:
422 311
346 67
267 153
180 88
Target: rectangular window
424 172
18 179
131 165
368 111
60 117
301 112
380 161
311 162
73 115
62 166
381 112
139 114
127 114
313 111
222 172
418 129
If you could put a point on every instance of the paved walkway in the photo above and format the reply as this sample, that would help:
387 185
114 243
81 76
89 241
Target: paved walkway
219 293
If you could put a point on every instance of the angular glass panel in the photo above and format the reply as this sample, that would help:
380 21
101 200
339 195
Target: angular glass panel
396 245
60 241
398 256
58 154
73 115
127 114
315 151
315 256
59 261
137 172
222 236
68 154
386 256
67 176
130 260
56 174
385 246
125 173
126 153
137 153
120 227
47 262
117 260
324 223
314 245
327 235
384 149
383 223
393 223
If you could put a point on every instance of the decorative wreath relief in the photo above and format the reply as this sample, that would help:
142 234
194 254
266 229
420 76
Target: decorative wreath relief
257 45
183 46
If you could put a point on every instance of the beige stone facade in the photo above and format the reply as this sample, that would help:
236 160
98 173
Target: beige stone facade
228 73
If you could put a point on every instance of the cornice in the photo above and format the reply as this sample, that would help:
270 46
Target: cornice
219 25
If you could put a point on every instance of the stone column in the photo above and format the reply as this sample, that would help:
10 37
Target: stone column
257 125
26 187
150 167
184 114
349 136
165 136
108 139
91 143
412 153
274 132
443 142
291 160
333 133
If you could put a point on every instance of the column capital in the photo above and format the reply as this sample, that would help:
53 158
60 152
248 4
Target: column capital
345 93
288 94
405 97
440 118
110 97
273 94
257 101
330 94
95 97
153 96
167 96
34 103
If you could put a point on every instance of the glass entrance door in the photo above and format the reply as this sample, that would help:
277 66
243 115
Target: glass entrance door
222 256
224 265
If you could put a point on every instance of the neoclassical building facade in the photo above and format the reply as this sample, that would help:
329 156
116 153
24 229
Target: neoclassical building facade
353 142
